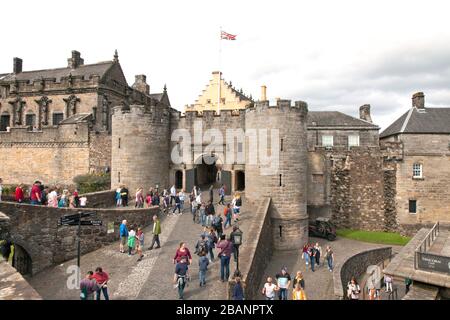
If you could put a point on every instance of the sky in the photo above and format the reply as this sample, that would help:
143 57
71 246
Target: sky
335 55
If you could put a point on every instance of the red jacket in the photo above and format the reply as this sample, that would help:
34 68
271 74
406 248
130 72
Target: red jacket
100 277
19 194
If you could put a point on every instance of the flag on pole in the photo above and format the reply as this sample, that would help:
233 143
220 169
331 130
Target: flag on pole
227 36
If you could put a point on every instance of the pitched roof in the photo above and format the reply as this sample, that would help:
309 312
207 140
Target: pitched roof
79 117
336 119
428 120
156 96
86 70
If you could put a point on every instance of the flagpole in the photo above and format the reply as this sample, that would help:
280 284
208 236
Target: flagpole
220 70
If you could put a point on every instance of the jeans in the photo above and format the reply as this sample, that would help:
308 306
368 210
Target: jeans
202 277
211 253
194 212
177 206
306 257
182 204
105 293
227 221
283 294
330 263
388 286
222 198
181 285
312 263
155 239
224 267
270 298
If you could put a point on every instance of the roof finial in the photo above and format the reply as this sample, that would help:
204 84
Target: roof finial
165 88
116 56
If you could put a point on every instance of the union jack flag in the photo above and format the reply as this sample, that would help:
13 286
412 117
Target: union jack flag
227 36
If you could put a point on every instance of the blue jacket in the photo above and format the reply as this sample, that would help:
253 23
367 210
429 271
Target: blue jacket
123 230
238 292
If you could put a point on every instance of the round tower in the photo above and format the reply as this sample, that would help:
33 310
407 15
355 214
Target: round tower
140 147
286 185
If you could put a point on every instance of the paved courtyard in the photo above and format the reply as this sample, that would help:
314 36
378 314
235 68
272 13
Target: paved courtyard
150 278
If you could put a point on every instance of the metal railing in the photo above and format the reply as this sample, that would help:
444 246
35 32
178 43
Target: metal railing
426 243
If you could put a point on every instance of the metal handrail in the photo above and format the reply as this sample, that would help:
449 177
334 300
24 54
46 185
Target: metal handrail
427 242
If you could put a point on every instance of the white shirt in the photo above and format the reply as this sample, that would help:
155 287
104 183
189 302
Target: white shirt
83 201
270 288
173 191
132 233
199 199
1 190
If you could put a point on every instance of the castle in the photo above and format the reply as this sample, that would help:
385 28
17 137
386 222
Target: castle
85 118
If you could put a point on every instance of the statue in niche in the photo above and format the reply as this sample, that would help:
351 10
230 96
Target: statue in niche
18 105
71 105
43 103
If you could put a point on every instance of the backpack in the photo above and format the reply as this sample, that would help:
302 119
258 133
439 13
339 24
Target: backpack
238 202
201 247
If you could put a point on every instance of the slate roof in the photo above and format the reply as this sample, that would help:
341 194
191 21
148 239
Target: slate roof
428 120
336 119
156 96
86 70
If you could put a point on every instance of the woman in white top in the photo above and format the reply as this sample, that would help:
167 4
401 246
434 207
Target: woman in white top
353 290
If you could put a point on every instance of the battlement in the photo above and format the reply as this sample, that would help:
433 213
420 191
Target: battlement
282 104
152 113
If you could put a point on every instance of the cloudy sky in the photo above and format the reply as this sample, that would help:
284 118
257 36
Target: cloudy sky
336 55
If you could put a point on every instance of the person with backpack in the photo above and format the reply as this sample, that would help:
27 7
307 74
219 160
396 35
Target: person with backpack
202 245
211 241
88 286
203 263
181 276
217 225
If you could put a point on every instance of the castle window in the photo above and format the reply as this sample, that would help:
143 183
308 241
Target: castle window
4 122
353 141
417 170
327 141
30 120
281 144
239 146
119 143
57 118
413 206
280 180
208 101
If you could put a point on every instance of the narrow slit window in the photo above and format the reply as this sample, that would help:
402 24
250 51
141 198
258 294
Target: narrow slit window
281 144
280 180
119 176
119 143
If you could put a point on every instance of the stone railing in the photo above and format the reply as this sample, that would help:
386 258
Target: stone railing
255 254
36 230
355 266
101 199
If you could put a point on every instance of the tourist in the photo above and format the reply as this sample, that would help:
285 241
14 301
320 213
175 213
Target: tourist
203 263
299 279
139 199
211 241
283 283
1 188
194 191
148 198
182 197
238 290
62 203
408 283
298 293
217 225
228 215
131 240
124 195
53 199
210 212
222 195
353 290
318 250
226 247
211 194
182 251
76 198
156 199
118 197
83 201
166 203
72 202
35 194
173 194
140 243
305 253
237 203
156 232
388 282
88 287
235 247
193 208
177 204
202 245
269 289
102 279
181 276
371 287
202 213
123 235
329 256
19 197
312 256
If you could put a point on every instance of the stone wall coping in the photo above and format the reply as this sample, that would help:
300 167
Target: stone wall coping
337 271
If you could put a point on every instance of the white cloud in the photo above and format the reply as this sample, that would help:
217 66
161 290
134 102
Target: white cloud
332 54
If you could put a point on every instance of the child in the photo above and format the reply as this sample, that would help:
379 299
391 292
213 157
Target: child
131 240
140 237
203 263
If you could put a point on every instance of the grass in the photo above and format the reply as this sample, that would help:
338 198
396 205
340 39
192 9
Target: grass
374 236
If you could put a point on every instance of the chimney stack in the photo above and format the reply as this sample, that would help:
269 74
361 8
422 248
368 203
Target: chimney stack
418 100
17 65
140 84
263 93
364 113
75 61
